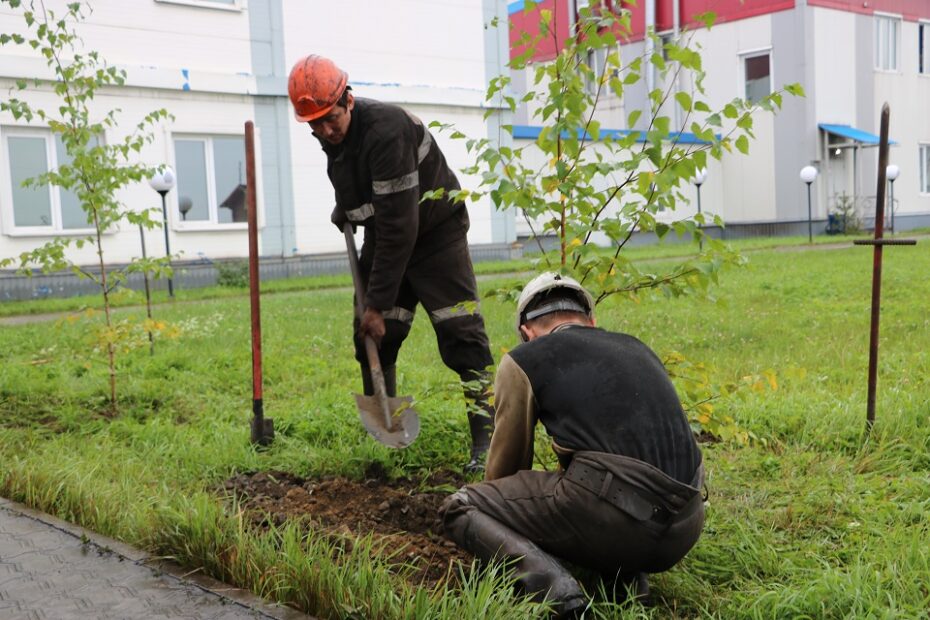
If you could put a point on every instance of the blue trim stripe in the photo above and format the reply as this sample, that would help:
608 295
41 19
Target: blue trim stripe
516 7
531 132
852 133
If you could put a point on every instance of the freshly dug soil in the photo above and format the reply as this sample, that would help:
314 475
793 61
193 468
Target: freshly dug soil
404 514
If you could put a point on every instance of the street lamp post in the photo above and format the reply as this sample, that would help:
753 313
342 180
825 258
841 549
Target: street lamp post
700 175
808 174
162 182
892 172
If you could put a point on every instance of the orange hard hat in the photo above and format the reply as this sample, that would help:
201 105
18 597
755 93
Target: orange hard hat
314 86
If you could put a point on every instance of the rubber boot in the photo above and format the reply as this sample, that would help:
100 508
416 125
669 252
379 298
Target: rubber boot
390 381
480 414
538 574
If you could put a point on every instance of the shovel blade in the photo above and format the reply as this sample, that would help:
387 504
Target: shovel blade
405 423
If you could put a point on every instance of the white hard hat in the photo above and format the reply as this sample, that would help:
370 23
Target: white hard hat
546 282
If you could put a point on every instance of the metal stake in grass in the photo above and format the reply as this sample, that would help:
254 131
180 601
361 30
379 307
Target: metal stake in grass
262 427
148 294
877 244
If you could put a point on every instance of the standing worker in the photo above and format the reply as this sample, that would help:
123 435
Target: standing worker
381 160
627 499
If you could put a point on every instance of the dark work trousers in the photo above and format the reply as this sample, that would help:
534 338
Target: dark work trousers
572 523
441 278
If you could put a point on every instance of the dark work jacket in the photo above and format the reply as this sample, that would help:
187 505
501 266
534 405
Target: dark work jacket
608 392
382 168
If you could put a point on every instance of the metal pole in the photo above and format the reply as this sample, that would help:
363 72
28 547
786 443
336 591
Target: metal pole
700 225
148 294
877 268
262 427
891 201
810 230
878 243
164 216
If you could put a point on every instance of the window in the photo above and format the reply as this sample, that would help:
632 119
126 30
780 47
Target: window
211 179
596 62
44 209
758 77
925 168
887 30
923 48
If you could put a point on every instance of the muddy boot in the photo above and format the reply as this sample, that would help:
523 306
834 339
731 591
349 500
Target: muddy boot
480 419
538 574
481 425
390 381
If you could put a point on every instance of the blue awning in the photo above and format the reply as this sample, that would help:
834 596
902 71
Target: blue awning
856 135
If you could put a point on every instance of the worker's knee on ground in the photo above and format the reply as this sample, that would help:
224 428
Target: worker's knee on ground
463 344
453 513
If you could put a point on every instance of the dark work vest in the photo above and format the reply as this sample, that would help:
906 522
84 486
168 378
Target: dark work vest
608 392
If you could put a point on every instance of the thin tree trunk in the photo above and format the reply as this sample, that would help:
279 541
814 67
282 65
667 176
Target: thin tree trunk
111 353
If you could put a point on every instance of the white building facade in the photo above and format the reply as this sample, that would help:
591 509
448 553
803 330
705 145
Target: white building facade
215 64
850 57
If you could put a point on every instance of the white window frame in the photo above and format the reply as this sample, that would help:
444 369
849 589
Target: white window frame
923 158
237 6
178 223
878 59
7 212
755 53
923 29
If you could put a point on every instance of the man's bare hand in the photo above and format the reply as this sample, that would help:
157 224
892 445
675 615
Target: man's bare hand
372 325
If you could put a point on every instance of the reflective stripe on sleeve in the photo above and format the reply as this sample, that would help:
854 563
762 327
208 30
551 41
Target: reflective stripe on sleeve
399 314
463 308
362 213
425 143
399 184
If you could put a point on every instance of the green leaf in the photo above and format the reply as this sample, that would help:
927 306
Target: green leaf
795 89
742 143
684 100
707 19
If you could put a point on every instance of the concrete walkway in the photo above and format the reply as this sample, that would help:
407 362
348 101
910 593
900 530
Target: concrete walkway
52 569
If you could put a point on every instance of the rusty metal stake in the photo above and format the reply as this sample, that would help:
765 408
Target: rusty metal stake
262 427
878 243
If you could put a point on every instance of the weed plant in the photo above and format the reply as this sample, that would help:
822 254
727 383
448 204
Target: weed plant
812 521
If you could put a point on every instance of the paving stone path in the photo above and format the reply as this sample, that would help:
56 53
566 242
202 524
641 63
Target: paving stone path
53 570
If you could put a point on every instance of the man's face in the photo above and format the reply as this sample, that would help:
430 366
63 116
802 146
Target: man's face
335 125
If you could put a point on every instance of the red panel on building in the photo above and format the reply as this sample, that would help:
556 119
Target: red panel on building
528 22
725 10
910 9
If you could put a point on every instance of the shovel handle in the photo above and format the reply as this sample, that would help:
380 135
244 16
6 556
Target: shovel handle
371 349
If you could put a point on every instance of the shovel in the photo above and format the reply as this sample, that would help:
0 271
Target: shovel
391 421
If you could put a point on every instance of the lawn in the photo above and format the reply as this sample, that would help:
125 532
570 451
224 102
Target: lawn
811 520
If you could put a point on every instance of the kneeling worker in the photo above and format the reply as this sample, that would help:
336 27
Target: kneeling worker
627 499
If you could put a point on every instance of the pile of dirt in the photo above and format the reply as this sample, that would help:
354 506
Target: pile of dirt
404 514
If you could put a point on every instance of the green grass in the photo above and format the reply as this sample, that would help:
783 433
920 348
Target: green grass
129 298
813 522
